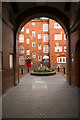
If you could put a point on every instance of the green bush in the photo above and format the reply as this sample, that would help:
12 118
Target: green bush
42 69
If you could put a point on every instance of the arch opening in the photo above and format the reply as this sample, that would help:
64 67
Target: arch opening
52 41
39 12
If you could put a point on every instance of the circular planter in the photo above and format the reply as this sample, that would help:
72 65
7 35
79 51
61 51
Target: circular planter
43 73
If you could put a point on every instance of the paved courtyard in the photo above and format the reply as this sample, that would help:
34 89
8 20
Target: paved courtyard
41 97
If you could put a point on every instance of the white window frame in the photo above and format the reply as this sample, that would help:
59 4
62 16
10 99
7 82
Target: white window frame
33 55
64 48
27 30
33 23
33 45
39 47
27 52
39 36
57 26
21 38
21 62
61 59
27 41
22 30
21 47
64 36
58 48
44 38
45 27
47 49
41 57
33 33
58 36
11 60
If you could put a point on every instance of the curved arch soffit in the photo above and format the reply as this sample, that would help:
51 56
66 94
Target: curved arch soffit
42 11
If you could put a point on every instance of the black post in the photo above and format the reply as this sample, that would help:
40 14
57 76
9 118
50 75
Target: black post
64 70
21 70
58 68
28 69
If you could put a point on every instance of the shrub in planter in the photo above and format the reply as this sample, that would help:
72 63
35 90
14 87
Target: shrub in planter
42 69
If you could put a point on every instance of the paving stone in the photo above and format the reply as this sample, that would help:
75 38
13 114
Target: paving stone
41 97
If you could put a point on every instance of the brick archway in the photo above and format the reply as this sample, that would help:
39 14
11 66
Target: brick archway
77 64
41 11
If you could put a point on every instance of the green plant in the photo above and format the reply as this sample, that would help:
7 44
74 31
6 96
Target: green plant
42 69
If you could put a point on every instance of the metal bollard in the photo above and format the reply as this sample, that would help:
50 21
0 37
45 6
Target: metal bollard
21 70
64 70
58 68
28 69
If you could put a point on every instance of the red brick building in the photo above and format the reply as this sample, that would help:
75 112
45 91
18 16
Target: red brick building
40 39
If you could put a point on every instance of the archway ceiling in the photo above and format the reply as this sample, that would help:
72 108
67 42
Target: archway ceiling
20 7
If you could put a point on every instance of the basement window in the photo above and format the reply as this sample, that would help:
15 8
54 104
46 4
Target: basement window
61 59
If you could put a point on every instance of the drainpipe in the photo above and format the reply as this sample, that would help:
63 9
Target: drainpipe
48 43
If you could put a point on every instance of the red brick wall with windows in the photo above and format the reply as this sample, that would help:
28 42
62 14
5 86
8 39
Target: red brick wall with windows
53 43
37 26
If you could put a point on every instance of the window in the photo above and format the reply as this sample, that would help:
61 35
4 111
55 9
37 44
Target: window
33 54
27 41
64 48
39 36
21 38
45 27
64 37
40 58
61 59
58 48
44 18
28 52
45 38
45 49
27 30
33 33
33 44
22 29
33 23
21 50
56 25
58 36
0 60
21 61
11 60
39 47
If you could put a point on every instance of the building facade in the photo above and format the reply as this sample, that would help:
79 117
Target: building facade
42 38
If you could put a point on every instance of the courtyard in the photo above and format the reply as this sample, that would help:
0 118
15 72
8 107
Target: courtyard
41 97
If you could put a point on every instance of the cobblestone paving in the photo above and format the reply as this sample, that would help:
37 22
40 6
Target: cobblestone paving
41 97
